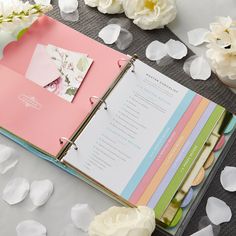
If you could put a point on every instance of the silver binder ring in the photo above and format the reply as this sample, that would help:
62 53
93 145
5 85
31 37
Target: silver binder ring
119 63
99 99
62 139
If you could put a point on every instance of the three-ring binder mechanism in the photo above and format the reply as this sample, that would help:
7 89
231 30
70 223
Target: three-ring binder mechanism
63 139
99 99
125 65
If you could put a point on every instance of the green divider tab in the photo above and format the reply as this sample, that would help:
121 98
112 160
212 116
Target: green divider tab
188 162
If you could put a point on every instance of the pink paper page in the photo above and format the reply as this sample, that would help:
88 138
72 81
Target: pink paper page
56 118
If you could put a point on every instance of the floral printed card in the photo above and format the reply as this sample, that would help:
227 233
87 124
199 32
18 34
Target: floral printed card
73 68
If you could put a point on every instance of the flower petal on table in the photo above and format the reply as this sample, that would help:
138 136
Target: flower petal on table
218 211
176 49
31 228
156 50
124 40
68 6
8 159
197 36
40 192
110 33
227 178
207 231
82 215
200 69
16 191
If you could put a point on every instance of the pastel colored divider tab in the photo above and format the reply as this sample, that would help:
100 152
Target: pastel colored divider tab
188 162
160 174
171 172
231 125
158 144
165 150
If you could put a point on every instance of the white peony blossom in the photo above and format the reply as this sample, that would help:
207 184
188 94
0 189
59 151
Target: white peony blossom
150 14
92 3
122 221
222 47
16 15
106 6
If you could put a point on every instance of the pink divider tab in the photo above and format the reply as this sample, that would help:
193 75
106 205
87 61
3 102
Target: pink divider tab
165 150
220 143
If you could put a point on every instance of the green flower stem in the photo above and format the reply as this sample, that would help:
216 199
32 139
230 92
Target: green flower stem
34 10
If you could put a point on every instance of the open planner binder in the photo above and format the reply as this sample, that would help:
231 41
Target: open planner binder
131 132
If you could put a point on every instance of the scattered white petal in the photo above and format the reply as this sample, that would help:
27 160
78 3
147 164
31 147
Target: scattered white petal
16 191
110 33
200 69
124 40
188 63
40 192
156 50
9 166
43 2
204 222
68 6
207 231
176 49
197 36
72 17
123 22
197 68
227 178
30 228
8 159
82 215
218 211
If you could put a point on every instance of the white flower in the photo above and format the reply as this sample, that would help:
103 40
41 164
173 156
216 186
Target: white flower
150 14
122 221
106 6
222 47
16 15
92 3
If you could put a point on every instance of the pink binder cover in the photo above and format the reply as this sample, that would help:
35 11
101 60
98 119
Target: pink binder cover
34 114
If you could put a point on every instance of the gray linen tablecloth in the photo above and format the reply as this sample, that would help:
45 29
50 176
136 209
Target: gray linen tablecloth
91 21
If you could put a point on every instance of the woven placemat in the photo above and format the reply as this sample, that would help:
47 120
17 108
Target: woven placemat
90 23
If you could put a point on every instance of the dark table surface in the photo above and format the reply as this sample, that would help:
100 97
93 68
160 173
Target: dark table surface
90 23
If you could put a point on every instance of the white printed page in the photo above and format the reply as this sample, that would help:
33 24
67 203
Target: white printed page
116 141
